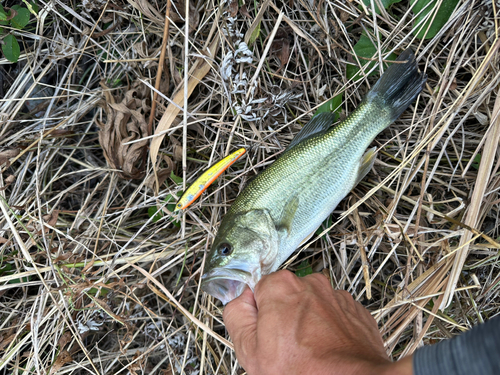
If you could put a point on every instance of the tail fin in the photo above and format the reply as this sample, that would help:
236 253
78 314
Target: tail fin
399 85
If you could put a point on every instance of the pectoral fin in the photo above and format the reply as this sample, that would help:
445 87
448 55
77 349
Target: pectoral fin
287 215
366 164
318 124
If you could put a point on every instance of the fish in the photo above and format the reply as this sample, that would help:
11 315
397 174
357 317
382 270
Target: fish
282 207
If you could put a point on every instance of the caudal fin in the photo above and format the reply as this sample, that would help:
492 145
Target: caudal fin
399 85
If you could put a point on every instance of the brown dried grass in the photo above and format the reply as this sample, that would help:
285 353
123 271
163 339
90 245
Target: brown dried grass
89 283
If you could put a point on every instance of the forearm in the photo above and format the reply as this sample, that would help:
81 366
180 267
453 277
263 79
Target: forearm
474 352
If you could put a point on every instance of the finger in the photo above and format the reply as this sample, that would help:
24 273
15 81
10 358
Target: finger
240 318
275 279
276 287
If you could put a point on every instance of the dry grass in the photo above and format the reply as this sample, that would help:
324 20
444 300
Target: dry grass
90 284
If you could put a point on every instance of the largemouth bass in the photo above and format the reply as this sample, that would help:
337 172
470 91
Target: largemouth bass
285 204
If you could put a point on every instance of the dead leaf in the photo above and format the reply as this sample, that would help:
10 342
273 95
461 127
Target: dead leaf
148 11
64 340
179 12
144 52
138 363
163 174
51 219
114 285
12 13
6 155
88 266
126 122
244 11
63 358
177 152
233 8
299 32
127 337
170 163
281 45
177 16
344 16
256 21
9 180
3 240
7 340
167 371
141 48
454 84
177 146
100 303
63 256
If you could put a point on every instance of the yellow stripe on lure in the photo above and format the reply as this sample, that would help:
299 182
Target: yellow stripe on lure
206 179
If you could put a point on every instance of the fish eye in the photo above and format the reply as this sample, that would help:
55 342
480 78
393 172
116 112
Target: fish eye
225 249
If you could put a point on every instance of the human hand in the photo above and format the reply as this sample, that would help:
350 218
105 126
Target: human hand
302 326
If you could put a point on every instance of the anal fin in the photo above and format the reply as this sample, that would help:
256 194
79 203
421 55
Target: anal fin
366 163
308 237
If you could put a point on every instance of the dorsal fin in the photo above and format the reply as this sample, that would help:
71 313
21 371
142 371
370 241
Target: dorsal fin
318 124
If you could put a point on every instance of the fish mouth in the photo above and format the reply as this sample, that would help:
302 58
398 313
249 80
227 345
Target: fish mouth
226 284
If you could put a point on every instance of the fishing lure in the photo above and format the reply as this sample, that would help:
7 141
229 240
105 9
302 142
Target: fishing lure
205 180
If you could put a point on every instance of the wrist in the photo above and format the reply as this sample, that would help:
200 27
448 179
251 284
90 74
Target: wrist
402 367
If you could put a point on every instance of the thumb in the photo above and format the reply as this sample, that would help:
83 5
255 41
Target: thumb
240 318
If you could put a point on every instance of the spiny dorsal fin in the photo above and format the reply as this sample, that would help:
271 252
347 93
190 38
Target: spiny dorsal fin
319 123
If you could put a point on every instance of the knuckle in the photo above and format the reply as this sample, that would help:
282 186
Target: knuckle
319 277
276 281
345 295
319 283
345 300
285 275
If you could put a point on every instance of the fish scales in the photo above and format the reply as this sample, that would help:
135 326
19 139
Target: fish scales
285 204
316 170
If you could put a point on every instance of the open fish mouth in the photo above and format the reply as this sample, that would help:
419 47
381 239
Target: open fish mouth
226 284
